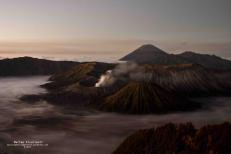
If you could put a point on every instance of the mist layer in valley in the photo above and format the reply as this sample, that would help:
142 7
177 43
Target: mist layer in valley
91 107
83 131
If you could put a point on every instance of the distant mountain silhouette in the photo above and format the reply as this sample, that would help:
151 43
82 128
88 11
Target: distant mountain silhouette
149 54
152 55
32 66
209 61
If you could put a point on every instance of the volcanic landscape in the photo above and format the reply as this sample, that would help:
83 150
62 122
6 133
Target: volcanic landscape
91 107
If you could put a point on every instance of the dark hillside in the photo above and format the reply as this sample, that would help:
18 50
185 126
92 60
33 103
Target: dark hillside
183 138
25 66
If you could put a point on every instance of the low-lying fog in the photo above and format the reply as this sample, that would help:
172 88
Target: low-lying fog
82 132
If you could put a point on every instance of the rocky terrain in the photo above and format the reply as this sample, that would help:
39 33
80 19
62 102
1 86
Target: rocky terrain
141 88
75 86
144 98
85 74
166 88
191 79
181 138
150 82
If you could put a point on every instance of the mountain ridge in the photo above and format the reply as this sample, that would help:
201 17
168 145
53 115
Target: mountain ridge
206 60
24 66
150 54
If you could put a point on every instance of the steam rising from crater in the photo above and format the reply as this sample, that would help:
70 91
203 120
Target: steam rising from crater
124 72
106 79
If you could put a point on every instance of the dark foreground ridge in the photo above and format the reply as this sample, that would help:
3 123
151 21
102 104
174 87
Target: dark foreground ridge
26 66
182 138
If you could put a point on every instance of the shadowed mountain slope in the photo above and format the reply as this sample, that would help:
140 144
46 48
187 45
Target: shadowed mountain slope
160 93
183 138
85 74
209 61
191 79
32 66
144 97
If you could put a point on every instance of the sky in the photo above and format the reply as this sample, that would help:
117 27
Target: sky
109 29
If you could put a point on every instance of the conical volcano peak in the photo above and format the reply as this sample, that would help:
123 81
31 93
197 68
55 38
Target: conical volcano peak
149 54
150 47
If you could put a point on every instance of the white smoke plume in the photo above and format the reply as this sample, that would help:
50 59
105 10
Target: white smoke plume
105 79
125 72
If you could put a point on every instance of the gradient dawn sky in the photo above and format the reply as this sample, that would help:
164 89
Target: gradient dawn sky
109 29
